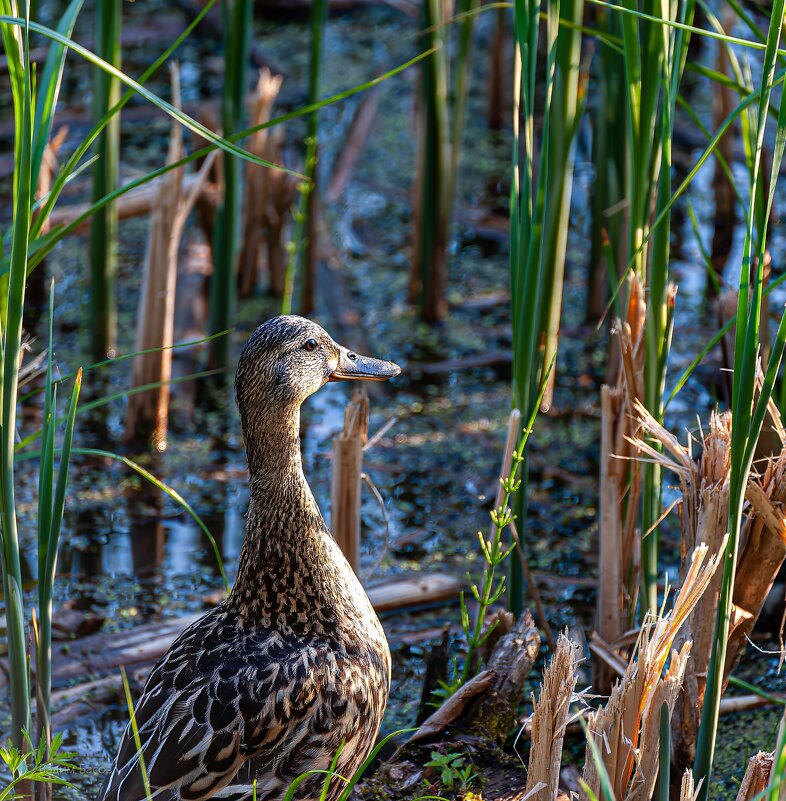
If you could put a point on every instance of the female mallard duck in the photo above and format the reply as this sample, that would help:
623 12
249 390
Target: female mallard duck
294 664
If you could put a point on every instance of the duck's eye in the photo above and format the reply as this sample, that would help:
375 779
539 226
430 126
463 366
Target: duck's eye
310 344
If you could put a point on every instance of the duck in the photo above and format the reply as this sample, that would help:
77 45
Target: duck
292 669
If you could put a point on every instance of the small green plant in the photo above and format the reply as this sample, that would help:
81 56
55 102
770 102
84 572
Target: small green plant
494 553
46 769
455 772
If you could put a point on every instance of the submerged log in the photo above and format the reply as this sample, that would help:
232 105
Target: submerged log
475 721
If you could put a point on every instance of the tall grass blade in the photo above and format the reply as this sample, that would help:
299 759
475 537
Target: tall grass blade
49 87
73 164
307 271
49 543
18 52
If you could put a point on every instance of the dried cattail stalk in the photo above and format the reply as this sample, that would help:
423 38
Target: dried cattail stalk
620 484
257 184
347 477
757 775
549 720
626 730
147 413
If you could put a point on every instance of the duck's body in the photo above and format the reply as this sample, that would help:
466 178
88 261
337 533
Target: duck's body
292 667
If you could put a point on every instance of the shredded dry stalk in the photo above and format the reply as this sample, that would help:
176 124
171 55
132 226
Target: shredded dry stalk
687 791
704 520
620 484
550 719
626 730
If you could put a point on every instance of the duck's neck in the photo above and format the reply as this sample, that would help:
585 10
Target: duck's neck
283 554
273 450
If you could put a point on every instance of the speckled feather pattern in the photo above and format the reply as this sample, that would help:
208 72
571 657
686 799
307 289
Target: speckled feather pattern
294 663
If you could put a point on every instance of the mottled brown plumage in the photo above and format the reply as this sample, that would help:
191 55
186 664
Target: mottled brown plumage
294 663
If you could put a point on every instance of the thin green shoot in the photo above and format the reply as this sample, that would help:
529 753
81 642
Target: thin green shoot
360 772
135 729
170 491
107 399
777 783
664 753
735 681
121 358
747 415
606 787
51 506
331 772
494 555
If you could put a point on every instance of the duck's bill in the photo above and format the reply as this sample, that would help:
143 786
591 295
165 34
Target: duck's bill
352 367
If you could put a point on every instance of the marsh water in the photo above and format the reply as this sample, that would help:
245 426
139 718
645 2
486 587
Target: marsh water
131 555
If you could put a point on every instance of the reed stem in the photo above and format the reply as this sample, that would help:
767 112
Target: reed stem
104 223
540 211
226 245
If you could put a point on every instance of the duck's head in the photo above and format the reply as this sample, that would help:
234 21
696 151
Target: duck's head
289 358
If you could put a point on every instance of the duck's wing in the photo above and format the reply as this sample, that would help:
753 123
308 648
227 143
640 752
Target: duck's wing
214 701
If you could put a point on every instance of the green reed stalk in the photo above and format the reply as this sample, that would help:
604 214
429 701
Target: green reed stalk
539 208
747 416
433 204
609 158
237 43
319 13
443 104
17 48
104 225
466 11
302 250
654 58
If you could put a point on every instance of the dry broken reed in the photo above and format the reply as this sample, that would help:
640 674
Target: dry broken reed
626 730
262 188
687 790
549 720
345 495
757 776
620 483
703 513
147 413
